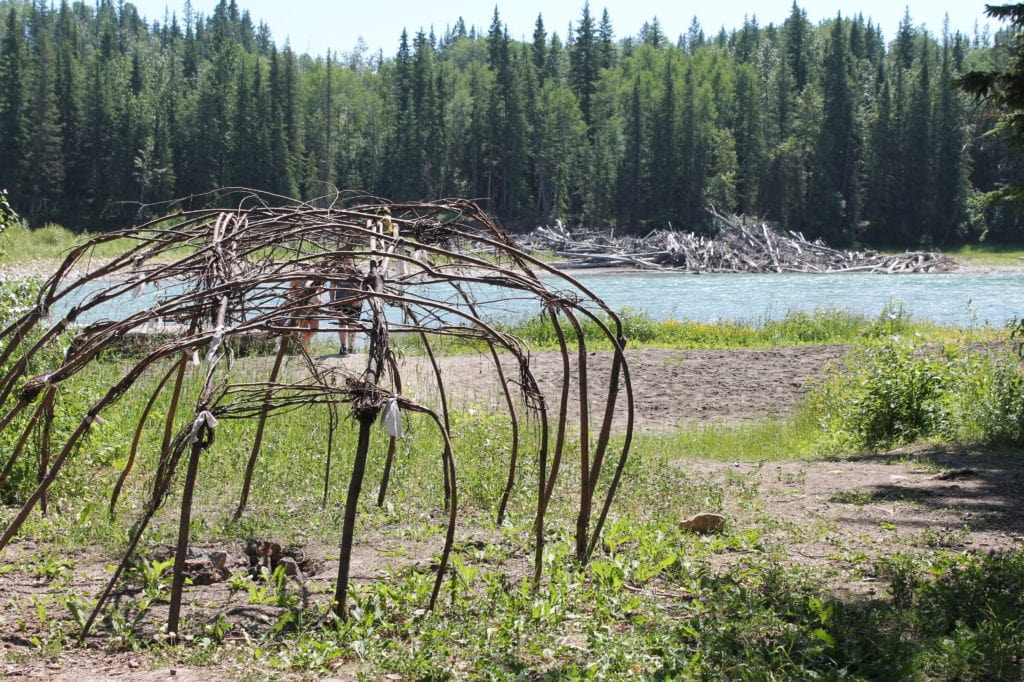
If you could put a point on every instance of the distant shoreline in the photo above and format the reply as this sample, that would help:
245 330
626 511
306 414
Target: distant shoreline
961 267
43 268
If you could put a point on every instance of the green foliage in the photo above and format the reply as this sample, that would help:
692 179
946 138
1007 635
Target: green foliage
7 215
1003 89
966 607
636 133
51 242
897 390
17 296
897 401
155 578
106 442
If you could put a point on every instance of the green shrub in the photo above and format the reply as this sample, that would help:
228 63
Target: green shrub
104 443
7 214
897 391
985 397
16 297
963 612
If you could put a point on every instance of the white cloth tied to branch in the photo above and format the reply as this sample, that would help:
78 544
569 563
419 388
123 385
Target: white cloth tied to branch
392 419
204 417
215 342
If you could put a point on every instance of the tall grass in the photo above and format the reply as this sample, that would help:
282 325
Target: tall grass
795 328
988 255
20 243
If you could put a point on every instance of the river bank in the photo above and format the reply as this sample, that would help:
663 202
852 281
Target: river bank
44 267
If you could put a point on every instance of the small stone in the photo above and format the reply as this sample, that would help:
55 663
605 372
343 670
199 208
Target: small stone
291 567
218 559
703 524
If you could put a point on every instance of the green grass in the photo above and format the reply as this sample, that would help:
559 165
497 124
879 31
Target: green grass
763 441
19 243
655 602
794 329
988 255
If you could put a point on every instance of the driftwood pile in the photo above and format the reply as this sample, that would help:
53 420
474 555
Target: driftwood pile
739 246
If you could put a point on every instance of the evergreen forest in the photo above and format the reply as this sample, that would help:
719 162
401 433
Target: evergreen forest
836 130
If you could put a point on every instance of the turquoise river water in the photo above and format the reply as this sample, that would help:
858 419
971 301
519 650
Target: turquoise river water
962 299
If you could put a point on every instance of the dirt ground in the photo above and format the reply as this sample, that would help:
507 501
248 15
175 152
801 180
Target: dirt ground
836 514
671 387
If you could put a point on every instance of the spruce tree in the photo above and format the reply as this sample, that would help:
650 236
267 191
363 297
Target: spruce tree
919 156
749 137
43 172
606 56
539 50
97 140
834 188
950 163
666 164
281 170
428 117
245 147
584 60
881 198
13 111
68 79
797 38
632 181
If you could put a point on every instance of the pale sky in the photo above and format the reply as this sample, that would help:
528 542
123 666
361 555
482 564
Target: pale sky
314 26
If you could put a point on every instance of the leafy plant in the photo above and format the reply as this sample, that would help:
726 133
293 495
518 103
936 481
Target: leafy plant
7 215
897 390
887 400
49 566
16 297
155 577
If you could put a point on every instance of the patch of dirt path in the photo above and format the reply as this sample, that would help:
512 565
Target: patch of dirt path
670 387
841 516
